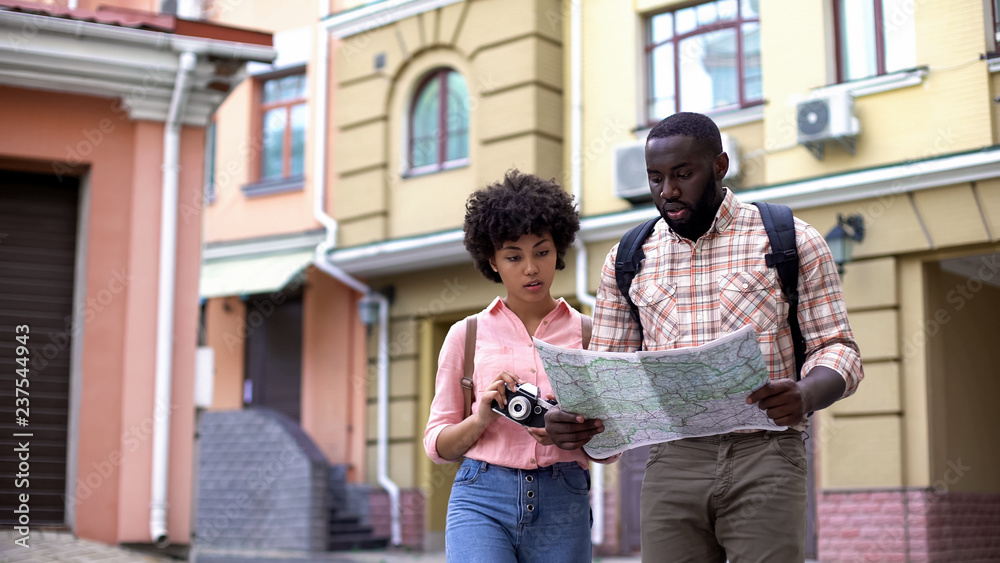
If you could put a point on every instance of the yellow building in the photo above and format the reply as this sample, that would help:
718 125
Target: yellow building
878 109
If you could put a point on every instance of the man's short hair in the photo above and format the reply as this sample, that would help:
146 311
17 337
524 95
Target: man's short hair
518 205
700 127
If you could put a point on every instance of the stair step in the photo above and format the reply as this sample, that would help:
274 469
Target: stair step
351 542
342 519
336 530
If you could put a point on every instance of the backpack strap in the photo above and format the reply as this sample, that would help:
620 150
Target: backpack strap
470 362
629 261
780 226
586 328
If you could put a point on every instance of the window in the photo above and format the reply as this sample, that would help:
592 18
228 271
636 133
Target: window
874 37
283 116
704 58
439 123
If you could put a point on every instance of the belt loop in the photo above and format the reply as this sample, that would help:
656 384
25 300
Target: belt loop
484 467
555 470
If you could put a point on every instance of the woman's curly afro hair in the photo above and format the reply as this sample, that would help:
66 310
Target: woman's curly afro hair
521 204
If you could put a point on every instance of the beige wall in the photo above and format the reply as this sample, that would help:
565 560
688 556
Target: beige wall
122 179
234 216
509 54
962 365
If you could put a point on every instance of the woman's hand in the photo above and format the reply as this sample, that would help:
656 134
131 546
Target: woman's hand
495 392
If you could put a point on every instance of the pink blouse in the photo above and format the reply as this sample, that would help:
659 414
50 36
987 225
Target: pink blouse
502 343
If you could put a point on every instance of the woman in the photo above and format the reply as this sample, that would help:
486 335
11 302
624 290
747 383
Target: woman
516 497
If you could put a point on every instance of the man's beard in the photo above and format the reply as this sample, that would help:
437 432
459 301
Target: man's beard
701 216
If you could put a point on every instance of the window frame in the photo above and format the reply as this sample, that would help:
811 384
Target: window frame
675 39
838 27
258 185
286 142
443 163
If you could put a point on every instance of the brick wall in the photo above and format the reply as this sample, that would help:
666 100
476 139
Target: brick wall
411 509
262 484
920 525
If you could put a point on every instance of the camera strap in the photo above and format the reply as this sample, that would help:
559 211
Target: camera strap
469 366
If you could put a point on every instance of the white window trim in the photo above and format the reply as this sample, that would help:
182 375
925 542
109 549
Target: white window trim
877 84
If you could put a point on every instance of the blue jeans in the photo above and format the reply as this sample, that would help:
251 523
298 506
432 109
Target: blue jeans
501 515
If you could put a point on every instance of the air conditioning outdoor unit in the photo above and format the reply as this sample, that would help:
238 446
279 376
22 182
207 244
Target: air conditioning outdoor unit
829 117
629 169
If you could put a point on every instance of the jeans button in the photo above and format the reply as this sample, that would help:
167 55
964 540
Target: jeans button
529 478
531 494
531 508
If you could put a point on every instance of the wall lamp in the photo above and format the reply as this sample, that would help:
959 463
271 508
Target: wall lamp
841 239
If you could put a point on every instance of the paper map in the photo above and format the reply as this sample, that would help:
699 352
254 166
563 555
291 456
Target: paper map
650 397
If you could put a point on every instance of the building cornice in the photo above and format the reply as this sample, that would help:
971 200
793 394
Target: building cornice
252 248
373 16
137 67
446 248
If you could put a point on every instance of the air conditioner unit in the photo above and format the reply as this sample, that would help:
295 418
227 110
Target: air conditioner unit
829 117
629 179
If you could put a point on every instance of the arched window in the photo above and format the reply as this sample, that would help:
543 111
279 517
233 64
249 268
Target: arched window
439 123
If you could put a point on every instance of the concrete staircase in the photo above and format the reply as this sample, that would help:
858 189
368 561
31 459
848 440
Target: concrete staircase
349 527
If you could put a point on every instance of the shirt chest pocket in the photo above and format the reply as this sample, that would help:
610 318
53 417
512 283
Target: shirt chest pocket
491 359
749 298
657 303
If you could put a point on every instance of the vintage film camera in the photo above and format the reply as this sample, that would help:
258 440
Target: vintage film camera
524 406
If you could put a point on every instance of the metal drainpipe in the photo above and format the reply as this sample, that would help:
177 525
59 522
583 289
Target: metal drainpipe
323 263
576 182
165 301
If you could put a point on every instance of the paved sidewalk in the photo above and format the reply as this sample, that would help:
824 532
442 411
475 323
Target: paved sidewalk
62 547
48 546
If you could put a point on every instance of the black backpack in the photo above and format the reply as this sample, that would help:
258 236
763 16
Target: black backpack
780 226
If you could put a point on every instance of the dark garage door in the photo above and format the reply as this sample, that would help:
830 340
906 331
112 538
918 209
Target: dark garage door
38 217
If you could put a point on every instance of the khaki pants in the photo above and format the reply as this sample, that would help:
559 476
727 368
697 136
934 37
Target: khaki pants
741 496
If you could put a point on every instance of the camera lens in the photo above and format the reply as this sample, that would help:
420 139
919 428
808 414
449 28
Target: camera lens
519 408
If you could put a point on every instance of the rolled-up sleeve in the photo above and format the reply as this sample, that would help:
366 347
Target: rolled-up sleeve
822 312
448 406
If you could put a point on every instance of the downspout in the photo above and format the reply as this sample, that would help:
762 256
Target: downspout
165 301
576 183
323 263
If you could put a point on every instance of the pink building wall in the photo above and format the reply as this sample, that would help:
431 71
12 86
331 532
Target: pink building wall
333 372
118 363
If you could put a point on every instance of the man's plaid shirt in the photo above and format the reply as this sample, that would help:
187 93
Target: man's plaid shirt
690 293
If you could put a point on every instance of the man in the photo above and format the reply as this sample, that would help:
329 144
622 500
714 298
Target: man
739 495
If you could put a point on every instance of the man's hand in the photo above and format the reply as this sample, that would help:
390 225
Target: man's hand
783 400
570 431
540 435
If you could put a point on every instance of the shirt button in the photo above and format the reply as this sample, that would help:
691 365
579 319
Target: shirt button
532 370
532 460
545 322
699 316
746 286
697 281
530 345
